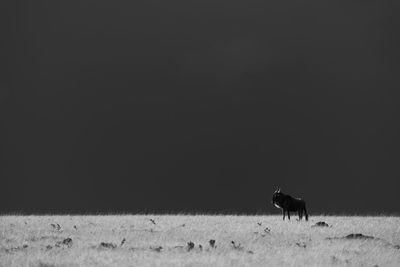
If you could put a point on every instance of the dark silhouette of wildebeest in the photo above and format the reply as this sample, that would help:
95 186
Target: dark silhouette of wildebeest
287 204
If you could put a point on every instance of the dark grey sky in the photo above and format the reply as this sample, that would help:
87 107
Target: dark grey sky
202 106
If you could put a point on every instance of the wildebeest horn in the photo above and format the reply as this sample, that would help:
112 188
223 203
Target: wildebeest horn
279 190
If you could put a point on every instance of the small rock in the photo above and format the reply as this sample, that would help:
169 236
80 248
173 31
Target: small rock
236 246
190 245
212 243
67 241
358 236
56 226
302 245
352 236
320 224
157 249
107 245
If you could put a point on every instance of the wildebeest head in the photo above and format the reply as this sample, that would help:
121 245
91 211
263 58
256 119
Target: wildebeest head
277 198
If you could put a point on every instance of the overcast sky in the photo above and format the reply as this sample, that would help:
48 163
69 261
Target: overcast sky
199 105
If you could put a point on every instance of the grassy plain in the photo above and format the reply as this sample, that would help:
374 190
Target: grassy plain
162 240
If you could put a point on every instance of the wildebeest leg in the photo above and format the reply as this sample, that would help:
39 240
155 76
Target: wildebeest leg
305 213
288 215
299 213
283 212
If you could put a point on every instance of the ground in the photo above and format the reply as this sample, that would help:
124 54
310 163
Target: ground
184 240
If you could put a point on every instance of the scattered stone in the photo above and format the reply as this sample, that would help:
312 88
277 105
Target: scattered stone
107 245
48 247
240 247
259 223
320 224
212 243
358 236
200 247
267 230
364 237
190 245
353 236
122 242
152 221
56 226
14 249
76 228
236 246
66 242
156 249
302 245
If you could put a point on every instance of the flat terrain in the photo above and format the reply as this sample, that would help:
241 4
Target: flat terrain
184 240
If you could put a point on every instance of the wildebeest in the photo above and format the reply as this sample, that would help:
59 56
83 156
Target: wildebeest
287 204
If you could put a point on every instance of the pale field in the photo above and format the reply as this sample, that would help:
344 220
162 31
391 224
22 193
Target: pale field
31 241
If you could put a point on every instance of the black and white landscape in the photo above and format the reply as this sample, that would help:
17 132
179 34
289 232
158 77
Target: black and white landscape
133 133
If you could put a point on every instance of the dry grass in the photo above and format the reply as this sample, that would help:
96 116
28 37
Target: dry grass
184 240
